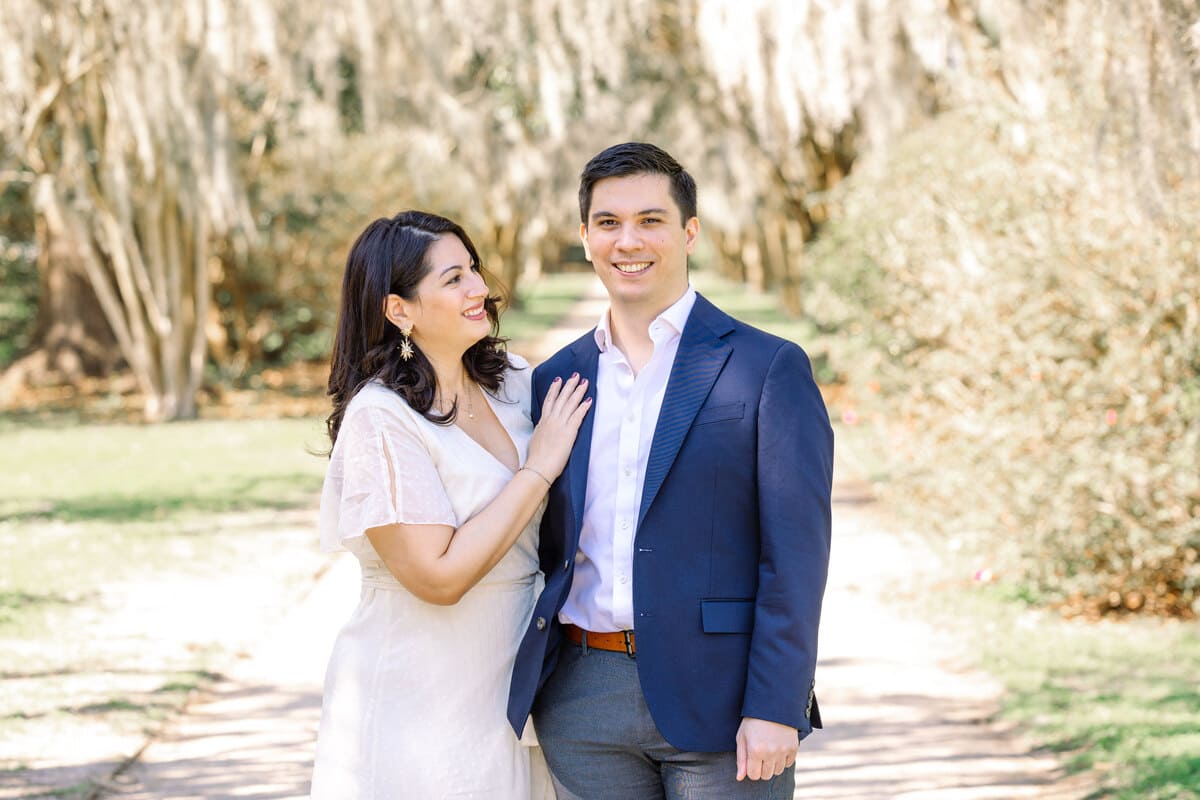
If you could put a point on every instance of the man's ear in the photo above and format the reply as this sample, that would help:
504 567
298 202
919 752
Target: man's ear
587 251
396 309
690 231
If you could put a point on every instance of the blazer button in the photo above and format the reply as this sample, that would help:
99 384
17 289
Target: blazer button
567 564
541 623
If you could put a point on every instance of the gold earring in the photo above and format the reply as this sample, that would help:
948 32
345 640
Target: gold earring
406 349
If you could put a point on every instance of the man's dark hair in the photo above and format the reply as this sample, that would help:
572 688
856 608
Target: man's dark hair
637 158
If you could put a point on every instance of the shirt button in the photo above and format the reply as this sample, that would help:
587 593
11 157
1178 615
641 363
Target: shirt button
624 579
624 524
629 470
541 623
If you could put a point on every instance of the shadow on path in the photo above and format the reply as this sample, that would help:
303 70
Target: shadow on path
253 735
245 741
906 719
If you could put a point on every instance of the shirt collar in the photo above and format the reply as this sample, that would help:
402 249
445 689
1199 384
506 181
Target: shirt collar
676 315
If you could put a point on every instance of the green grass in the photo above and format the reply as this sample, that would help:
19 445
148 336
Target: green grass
1118 697
84 507
127 473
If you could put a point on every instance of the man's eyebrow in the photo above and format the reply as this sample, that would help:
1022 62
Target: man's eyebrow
642 213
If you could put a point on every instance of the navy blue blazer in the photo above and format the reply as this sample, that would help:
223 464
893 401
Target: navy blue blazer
732 544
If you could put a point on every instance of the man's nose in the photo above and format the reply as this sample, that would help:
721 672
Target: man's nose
627 238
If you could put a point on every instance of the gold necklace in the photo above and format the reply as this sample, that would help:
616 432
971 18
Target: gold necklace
470 402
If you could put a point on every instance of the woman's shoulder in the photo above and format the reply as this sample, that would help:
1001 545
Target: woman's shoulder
377 401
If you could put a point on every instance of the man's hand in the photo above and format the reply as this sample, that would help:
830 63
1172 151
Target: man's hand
764 749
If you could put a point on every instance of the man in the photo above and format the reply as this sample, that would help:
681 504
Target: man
686 544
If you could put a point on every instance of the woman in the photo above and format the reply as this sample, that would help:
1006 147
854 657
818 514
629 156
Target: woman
436 482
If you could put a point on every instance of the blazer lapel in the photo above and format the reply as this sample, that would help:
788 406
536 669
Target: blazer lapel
587 357
701 355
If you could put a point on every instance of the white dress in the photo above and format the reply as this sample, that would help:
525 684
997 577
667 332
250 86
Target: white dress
416 693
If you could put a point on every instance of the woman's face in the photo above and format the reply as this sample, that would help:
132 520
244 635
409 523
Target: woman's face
448 313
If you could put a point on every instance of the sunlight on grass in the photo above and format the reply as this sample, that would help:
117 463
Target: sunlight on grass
132 472
1120 697
89 505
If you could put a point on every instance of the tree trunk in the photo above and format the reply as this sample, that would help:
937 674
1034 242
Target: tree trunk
72 339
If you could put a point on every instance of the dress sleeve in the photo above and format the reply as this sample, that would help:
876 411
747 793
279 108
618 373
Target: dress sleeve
380 473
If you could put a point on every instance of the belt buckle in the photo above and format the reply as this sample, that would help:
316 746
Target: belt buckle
628 643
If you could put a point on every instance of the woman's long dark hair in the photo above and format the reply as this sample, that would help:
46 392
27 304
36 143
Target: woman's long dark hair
389 257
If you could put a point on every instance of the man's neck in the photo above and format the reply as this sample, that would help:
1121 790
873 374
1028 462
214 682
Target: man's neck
629 331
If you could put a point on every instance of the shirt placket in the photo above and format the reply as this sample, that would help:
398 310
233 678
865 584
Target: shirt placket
625 521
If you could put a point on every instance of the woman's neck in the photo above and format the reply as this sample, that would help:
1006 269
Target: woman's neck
451 375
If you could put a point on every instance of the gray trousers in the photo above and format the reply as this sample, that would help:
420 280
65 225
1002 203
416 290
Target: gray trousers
601 743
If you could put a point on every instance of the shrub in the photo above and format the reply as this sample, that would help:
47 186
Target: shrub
1032 323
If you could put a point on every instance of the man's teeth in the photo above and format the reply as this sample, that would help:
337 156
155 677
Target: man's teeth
638 267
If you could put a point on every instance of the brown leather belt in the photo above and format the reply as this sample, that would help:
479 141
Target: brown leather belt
618 642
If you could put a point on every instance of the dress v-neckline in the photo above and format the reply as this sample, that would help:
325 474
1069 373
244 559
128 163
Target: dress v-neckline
508 434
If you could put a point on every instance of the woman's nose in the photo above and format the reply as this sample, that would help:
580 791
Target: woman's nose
478 285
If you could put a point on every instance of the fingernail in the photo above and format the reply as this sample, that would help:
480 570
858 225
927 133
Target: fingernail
574 374
558 379
587 400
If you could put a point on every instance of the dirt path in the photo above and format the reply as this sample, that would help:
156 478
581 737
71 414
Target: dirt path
905 720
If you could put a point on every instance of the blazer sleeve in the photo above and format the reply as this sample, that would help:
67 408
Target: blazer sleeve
795 476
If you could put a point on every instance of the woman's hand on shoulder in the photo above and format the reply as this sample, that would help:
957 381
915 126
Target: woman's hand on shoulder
563 410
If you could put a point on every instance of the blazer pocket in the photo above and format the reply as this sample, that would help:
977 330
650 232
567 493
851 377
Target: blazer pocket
727 616
719 413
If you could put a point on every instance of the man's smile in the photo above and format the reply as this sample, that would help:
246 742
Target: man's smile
632 267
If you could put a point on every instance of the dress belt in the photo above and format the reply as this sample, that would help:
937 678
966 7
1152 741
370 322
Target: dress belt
617 642
376 575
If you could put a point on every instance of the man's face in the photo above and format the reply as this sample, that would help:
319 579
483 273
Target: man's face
637 242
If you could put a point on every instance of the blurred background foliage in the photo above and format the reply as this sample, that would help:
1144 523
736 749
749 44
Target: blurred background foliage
984 211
